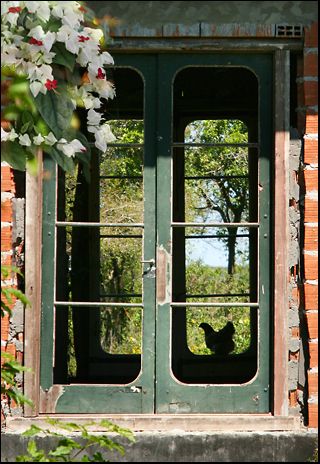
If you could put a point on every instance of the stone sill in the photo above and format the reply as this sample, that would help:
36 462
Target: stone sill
170 422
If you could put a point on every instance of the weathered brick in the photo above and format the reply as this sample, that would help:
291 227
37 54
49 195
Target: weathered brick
312 322
311 238
313 382
293 398
311 35
311 179
6 211
313 353
10 348
311 210
5 327
311 122
310 267
310 296
7 184
6 238
313 415
310 93
310 151
310 65
295 332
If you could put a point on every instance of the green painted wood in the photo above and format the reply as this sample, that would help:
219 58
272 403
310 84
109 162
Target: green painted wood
48 273
156 389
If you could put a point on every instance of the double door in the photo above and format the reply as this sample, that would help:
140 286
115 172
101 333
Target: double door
169 230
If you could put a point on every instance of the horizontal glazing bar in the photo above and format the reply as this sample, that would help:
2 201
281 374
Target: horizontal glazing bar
120 177
215 236
118 295
122 145
97 304
249 145
121 236
214 305
217 295
96 224
216 177
215 224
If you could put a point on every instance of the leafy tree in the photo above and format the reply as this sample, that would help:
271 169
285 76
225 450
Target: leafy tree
223 195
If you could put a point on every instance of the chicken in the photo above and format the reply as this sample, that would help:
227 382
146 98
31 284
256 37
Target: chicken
219 342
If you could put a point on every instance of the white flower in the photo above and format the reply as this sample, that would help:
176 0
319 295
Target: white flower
47 38
50 139
41 9
36 87
25 140
11 136
69 149
93 117
37 140
69 13
70 38
104 88
102 135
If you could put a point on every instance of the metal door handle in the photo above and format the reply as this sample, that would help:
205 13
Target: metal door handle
148 261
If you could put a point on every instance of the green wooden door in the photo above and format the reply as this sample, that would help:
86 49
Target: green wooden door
182 95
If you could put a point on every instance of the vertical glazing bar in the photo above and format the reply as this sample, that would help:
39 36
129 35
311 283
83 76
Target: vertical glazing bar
48 274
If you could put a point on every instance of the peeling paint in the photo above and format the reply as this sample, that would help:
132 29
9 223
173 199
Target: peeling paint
163 275
49 399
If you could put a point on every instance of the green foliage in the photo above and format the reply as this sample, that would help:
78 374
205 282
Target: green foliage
207 280
10 367
70 450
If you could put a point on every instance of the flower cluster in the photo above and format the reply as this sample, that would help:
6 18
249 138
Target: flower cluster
36 37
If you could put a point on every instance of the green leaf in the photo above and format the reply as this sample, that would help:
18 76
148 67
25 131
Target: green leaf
66 163
56 109
63 56
33 430
14 154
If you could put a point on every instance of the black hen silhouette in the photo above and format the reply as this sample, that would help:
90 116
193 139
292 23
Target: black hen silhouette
219 341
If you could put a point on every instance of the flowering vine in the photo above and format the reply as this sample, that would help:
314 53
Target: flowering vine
49 43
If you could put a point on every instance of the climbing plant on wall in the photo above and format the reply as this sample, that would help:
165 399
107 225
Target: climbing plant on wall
58 63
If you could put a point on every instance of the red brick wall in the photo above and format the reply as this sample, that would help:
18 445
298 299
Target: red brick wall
309 130
7 193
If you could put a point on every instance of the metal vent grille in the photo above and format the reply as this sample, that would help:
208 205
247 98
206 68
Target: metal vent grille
284 30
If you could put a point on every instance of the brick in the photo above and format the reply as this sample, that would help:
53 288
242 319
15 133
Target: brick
6 259
4 327
311 180
313 415
7 184
310 267
310 151
311 210
311 122
310 93
310 296
10 348
293 398
311 238
310 65
312 382
312 323
295 332
6 238
6 211
311 35
313 353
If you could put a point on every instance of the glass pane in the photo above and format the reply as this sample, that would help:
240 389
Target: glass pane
214 345
218 266
121 330
120 267
83 251
231 326
121 186
116 331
